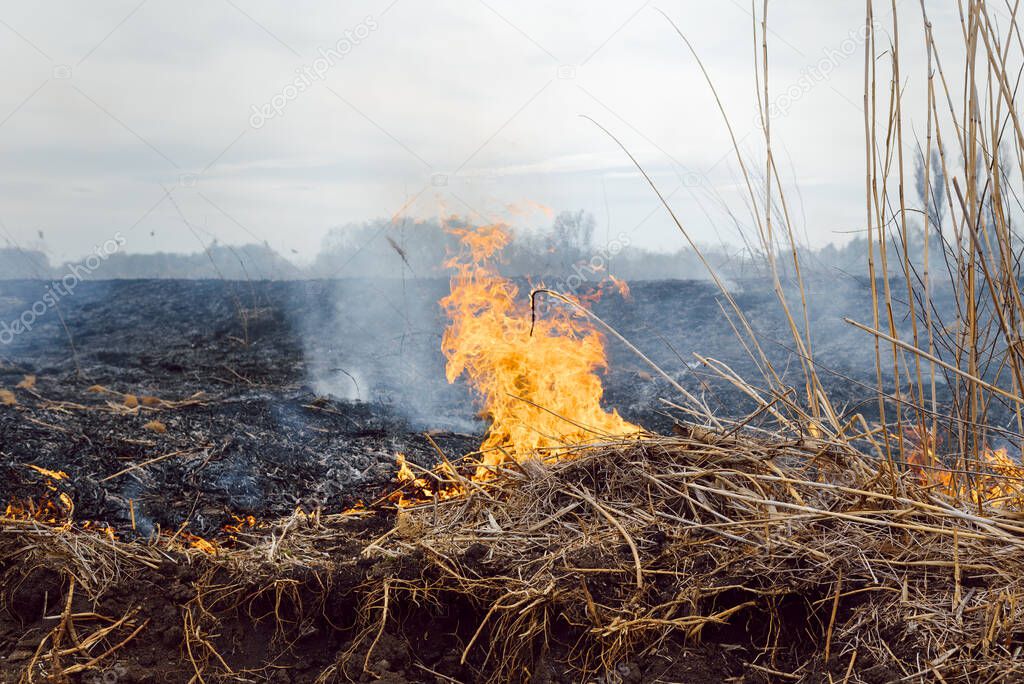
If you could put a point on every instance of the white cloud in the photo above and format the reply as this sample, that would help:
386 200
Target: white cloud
166 90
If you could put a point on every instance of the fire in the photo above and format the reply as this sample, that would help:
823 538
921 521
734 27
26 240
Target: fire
241 523
53 507
100 528
996 479
441 485
541 392
194 541
359 508
46 472
46 509
620 286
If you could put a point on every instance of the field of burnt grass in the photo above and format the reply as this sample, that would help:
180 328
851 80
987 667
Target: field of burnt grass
185 465
174 402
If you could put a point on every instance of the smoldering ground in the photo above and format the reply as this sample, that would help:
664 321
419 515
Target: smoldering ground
272 418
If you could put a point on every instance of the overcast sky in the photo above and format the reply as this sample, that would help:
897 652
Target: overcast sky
271 121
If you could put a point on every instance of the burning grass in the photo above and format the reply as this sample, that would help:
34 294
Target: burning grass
571 547
818 562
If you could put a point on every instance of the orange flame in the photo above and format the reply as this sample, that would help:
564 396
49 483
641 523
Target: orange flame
241 523
46 472
53 507
541 392
415 490
621 287
194 541
45 509
996 479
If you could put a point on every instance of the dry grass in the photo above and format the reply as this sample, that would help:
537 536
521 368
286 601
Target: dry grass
853 569
823 563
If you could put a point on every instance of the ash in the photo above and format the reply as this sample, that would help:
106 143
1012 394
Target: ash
274 395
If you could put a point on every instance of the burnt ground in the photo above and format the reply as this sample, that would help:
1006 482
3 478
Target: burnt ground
273 395
302 393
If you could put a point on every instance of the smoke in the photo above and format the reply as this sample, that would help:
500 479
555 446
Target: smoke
367 312
566 250
372 327
379 340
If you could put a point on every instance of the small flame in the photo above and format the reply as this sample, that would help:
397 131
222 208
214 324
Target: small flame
241 523
997 479
45 509
415 490
53 507
199 543
52 474
621 287
359 508
102 528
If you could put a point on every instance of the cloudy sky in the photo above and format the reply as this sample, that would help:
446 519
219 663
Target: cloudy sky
268 121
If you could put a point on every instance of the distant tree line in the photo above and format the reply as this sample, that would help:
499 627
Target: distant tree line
570 250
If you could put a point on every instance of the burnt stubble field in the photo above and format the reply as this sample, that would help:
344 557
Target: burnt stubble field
210 441
173 403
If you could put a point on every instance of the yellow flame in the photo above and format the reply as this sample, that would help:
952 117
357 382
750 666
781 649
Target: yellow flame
442 486
541 392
